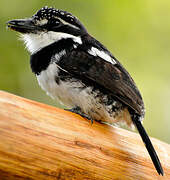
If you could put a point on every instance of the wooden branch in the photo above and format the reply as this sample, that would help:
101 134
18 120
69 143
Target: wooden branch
41 142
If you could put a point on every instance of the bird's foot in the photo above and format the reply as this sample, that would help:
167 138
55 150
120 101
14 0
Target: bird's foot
78 111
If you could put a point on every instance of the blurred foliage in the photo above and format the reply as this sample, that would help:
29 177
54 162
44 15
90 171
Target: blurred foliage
136 32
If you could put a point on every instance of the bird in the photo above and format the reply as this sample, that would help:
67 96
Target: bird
80 72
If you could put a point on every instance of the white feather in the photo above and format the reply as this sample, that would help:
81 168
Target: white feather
74 93
67 92
59 55
66 23
96 52
35 42
42 22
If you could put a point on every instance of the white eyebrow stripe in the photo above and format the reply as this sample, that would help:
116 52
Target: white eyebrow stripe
96 52
66 23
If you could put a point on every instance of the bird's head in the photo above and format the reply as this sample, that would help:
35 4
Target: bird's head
47 26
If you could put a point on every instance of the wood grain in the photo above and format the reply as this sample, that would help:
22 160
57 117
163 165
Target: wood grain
40 142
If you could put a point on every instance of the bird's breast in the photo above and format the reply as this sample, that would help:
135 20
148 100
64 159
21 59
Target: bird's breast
72 92
69 91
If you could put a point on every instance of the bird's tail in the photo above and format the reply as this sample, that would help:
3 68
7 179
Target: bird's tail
148 144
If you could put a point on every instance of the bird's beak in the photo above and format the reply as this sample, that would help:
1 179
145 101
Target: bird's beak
22 25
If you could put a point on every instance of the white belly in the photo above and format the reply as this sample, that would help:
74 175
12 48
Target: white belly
74 93
68 93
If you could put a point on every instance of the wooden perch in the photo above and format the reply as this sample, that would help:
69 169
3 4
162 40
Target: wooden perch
40 142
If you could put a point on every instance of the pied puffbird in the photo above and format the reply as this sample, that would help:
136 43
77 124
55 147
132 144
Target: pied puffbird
76 69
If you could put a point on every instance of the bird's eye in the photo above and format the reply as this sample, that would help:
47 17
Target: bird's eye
54 22
57 22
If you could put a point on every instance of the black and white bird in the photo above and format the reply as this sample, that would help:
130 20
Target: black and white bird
76 69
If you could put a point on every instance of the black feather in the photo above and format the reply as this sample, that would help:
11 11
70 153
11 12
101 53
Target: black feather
148 144
110 79
41 59
114 78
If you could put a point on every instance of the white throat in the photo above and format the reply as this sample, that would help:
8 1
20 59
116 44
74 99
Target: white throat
35 42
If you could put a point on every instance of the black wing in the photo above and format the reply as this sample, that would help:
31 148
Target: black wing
112 77
117 81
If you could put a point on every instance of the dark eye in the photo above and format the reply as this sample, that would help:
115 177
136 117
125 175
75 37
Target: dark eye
54 22
57 22
52 25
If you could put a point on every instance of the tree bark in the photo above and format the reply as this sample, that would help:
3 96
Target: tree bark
41 142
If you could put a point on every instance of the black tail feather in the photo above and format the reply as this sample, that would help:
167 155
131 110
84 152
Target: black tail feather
148 144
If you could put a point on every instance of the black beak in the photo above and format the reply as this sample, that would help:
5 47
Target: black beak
22 25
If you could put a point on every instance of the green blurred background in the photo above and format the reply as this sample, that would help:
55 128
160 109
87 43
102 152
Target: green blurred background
137 32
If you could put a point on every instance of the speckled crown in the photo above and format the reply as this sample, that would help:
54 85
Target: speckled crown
49 13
